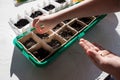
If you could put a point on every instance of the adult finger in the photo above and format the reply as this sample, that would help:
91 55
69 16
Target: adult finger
99 46
83 44
97 58
88 45
91 50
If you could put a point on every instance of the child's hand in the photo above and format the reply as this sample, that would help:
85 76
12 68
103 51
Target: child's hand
44 23
104 59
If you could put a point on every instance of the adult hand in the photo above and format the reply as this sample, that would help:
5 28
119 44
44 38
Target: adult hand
104 59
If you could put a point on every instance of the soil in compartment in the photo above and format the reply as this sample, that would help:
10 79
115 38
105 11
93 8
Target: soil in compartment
49 7
21 23
36 14
29 43
86 20
57 27
66 21
54 43
60 1
66 33
76 25
43 36
41 53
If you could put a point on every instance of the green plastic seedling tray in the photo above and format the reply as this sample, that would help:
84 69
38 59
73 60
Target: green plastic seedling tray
59 51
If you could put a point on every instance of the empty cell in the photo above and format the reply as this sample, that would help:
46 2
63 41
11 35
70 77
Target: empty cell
41 53
77 25
21 23
60 1
66 33
49 7
36 14
57 27
29 43
86 20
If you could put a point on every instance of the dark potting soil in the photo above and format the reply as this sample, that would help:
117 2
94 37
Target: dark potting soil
41 53
49 7
86 20
36 14
66 33
66 21
29 43
76 25
60 1
43 36
56 27
54 43
21 23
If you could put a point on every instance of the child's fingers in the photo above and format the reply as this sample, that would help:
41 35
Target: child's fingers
39 27
34 22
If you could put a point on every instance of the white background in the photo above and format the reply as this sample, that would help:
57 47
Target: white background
73 64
